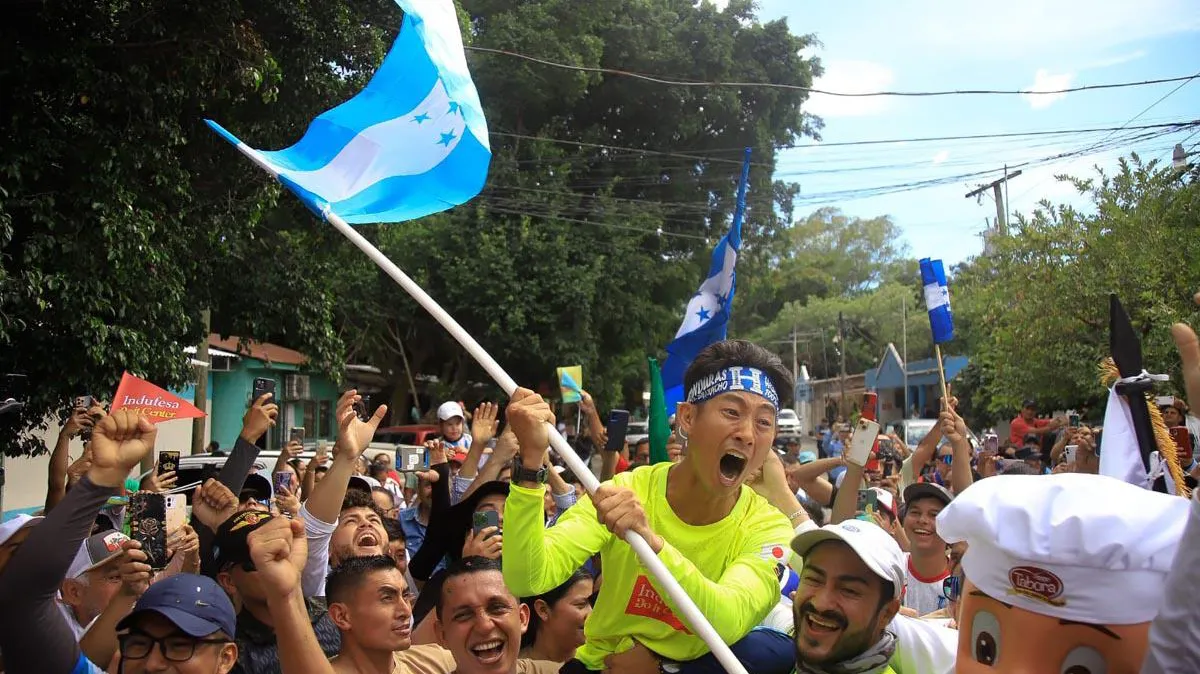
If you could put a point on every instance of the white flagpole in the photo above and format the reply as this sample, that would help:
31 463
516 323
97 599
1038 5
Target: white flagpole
691 614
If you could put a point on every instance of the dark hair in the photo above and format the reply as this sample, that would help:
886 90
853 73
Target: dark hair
395 532
733 352
1019 467
551 598
356 498
381 490
814 511
889 590
464 567
642 441
345 578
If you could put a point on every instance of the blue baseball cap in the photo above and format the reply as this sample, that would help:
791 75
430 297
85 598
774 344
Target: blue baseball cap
195 604
806 457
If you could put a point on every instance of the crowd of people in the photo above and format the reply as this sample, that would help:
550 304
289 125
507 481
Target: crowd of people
933 558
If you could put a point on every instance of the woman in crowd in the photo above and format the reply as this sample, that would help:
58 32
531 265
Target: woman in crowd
556 620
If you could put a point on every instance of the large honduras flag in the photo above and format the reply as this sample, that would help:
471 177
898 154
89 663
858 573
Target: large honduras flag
414 142
707 317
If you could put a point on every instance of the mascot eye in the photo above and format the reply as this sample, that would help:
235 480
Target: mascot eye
985 638
1084 660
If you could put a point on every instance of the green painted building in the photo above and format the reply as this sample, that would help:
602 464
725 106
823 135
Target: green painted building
306 399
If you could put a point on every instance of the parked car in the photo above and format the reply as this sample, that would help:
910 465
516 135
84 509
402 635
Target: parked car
638 431
415 434
787 423
912 431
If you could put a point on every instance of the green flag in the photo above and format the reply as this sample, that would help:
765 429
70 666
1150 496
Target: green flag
659 429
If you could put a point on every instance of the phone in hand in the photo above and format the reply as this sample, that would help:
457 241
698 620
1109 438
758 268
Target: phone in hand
484 519
263 386
296 434
1183 440
168 460
411 459
84 402
146 523
862 442
618 429
177 514
868 501
889 466
281 480
1069 453
1073 420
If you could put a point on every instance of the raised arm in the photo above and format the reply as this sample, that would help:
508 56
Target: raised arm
60 459
483 429
955 430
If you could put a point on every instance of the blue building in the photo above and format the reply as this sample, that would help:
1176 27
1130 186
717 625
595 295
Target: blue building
924 389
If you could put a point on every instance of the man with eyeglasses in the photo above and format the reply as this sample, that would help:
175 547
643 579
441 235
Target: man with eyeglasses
235 571
183 624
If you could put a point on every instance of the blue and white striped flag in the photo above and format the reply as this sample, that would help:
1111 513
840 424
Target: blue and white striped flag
937 300
707 318
412 143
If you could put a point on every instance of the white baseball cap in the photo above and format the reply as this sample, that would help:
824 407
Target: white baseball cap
449 410
874 546
884 497
17 523
1059 545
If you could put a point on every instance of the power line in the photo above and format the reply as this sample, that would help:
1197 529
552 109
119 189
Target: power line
657 79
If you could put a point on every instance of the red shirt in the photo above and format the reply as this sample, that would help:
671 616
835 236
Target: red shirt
622 464
1018 428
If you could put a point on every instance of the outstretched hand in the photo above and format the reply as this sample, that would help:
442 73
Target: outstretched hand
354 434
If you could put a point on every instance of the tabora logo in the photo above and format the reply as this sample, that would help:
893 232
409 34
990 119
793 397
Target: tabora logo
148 401
1037 584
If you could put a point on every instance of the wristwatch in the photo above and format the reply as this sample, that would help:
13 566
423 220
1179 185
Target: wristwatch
668 667
522 474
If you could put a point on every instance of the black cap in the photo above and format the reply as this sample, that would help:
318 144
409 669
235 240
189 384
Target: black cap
1027 453
1031 439
1028 402
230 545
920 490
259 485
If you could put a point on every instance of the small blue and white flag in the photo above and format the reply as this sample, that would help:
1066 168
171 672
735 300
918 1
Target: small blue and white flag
412 143
707 317
937 300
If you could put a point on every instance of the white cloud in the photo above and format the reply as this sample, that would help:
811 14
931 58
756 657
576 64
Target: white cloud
721 4
851 77
1044 80
941 156
1120 59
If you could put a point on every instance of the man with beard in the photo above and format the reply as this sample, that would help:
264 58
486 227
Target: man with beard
369 602
342 524
728 424
849 592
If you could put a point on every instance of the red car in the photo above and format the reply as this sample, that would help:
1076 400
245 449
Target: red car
416 434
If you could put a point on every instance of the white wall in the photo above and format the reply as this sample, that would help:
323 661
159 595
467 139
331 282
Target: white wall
25 483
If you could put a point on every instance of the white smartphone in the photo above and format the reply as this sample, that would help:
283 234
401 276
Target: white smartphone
862 441
177 514
1069 453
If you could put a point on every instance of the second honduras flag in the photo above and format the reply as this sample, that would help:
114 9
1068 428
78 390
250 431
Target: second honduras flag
937 300
414 142
707 317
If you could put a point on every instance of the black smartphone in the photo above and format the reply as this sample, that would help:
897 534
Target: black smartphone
168 460
146 522
484 519
1073 420
296 434
263 386
618 428
888 467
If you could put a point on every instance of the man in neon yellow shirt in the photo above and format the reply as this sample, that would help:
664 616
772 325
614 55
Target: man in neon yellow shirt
717 536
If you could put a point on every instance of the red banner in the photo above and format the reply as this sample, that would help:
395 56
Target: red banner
150 401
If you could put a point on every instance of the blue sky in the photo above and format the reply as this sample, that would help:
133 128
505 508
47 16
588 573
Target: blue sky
1021 44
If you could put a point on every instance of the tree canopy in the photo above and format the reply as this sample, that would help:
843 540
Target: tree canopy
122 217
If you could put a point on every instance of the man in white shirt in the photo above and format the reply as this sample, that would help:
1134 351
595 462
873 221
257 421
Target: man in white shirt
927 564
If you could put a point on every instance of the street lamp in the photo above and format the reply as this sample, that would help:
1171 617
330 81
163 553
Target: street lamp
1179 158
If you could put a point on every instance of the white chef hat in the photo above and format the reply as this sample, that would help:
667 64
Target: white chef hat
1085 548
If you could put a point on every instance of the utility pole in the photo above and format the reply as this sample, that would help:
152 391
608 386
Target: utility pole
904 349
842 348
795 361
201 397
1001 217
